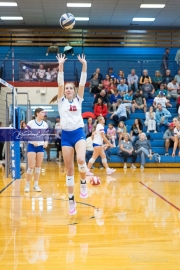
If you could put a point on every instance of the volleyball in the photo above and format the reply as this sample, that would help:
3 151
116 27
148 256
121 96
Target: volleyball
95 181
67 21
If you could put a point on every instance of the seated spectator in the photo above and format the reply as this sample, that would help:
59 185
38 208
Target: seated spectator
100 76
121 130
160 99
122 88
106 83
112 87
113 100
120 114
162 115
89 147
176 123
127 150
136 129
132 80
169 138
111 134
150 121
139 101
100 109
173 89
115 82
128 101
143 148
177 77
53 49
111 73
103 96
68 49
148 90
121 76
167 78
162 89
88 127
145 76
94 84
157 80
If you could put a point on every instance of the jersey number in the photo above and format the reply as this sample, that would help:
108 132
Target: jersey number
73 108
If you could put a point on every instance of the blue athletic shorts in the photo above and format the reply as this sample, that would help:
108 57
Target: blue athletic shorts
35 149
70 138
95 144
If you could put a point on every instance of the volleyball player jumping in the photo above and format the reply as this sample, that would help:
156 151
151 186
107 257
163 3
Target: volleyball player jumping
35 149
70 110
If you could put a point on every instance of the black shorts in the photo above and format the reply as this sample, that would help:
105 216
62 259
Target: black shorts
171 144
58 145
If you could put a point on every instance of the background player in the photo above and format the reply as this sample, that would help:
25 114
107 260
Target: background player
35 149
99 137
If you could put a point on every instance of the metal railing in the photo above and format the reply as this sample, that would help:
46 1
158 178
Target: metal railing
73 67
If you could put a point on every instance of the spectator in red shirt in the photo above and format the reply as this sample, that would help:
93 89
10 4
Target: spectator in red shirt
112 87
100 109
106 83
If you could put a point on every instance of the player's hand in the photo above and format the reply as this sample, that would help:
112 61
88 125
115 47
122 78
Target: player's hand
111 145
82 59
61 58
35 144
173 154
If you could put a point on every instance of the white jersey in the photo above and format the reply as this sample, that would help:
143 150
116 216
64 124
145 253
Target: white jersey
177 132
37 129
70 113
41 73
97 135
161 100
48 76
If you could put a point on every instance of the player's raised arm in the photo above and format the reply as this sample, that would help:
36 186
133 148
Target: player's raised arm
83 75
61 60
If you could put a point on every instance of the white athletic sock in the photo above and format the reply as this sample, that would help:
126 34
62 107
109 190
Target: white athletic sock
35 183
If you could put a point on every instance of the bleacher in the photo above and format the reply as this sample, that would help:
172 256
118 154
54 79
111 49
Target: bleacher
104 57
156 139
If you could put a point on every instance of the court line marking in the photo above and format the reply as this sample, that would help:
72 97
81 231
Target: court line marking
1 191
164 199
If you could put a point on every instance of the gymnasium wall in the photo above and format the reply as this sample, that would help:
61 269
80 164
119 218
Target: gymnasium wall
35 96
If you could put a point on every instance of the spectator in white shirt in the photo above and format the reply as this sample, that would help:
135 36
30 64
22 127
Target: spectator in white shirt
162 100
173 88
132 80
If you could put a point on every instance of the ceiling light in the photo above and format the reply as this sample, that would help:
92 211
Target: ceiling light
78 5
8 4
11 18
143 19
81 18
152 5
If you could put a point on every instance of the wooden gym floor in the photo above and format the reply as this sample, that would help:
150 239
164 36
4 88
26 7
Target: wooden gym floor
131 221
